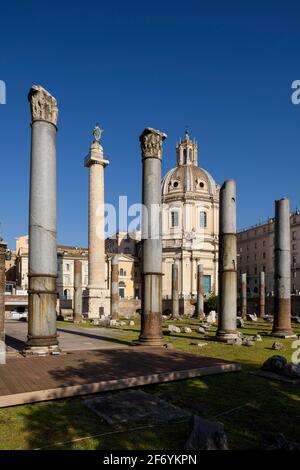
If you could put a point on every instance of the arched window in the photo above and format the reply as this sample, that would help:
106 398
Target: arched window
190 155
121 272
66 294
184 156
203 219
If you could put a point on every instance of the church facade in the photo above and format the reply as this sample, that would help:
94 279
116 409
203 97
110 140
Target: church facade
190 225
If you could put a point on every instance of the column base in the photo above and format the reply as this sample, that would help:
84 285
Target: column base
149 341
284 334
77 319
41 350
175 317
226 337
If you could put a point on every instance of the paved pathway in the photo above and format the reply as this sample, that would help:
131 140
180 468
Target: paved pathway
71 337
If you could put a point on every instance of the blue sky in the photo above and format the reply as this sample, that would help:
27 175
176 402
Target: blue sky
224 69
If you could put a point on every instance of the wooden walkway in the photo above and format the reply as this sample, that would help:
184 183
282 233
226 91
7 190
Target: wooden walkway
33 379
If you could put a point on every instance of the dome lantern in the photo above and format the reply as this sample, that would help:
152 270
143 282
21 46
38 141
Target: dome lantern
187 151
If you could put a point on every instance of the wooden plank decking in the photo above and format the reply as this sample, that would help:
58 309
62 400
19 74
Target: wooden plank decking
33 379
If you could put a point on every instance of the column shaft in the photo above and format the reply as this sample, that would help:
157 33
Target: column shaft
227 263
262 295
42 263
244 296
175 296
3 248
114 287
77 316
96 227
282 270
200 293
151 318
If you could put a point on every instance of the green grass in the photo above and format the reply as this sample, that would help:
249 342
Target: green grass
246 404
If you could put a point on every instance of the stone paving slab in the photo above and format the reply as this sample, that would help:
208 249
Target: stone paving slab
271 375
135 406
33 379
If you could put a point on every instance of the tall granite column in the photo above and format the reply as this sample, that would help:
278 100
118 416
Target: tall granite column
77 315
175 295
3 248
114 288
200 293
282 270
244 296
42 264
151 319
227 263
96 300
262 295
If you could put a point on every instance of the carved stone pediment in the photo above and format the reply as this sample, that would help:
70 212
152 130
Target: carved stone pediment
151 143
43 105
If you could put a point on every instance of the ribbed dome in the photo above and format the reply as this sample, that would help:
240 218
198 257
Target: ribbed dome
189 178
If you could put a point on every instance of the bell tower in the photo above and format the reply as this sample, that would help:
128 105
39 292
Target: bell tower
187 151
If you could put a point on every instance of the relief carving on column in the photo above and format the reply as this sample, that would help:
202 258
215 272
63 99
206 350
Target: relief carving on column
43 105
151 143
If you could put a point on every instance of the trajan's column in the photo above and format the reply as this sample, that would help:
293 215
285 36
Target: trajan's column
96 296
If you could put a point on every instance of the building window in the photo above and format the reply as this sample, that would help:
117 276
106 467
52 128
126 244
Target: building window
203 219
121 292
122 272
294 235
264 255
67 267
207 284
294 247
66 294
174 219
264 243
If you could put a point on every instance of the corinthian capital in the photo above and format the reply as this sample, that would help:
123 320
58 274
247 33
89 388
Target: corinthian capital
151 143
43 105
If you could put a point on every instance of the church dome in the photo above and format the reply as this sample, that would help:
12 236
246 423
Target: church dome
187 176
